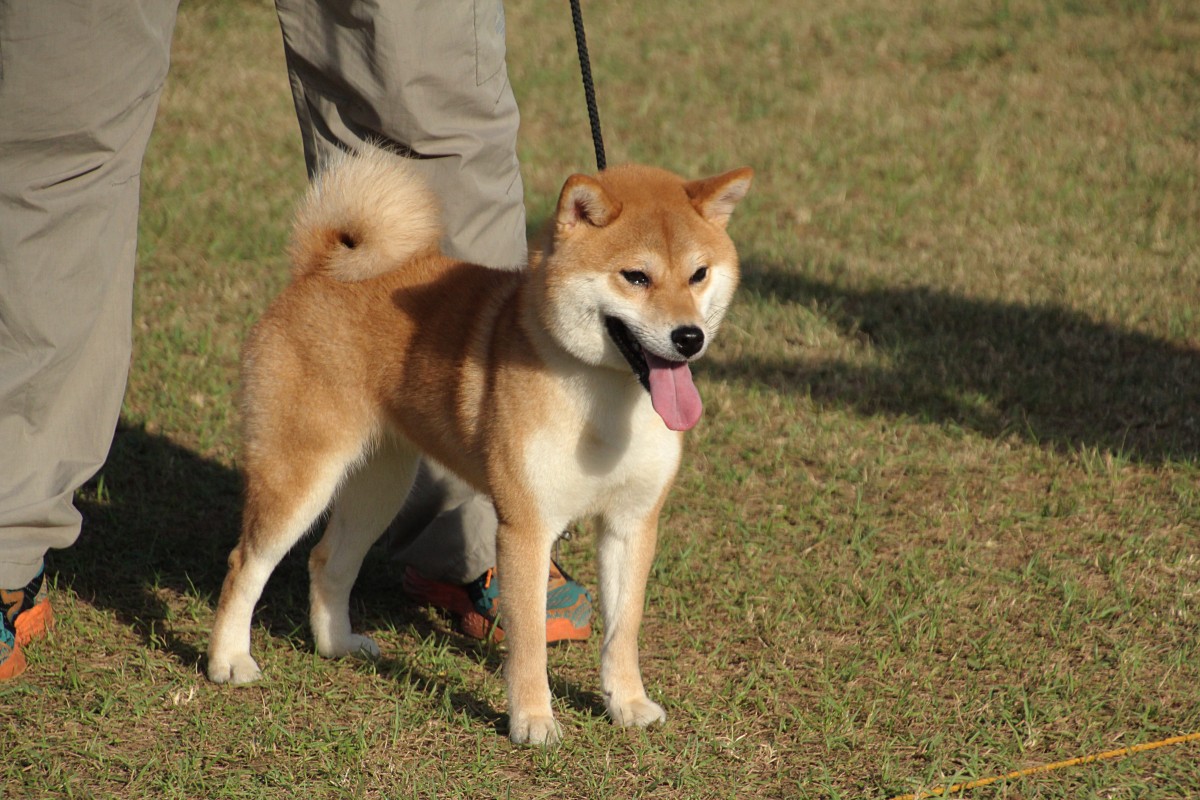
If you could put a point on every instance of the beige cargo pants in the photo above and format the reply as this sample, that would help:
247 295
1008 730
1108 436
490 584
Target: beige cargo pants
79 88
426 78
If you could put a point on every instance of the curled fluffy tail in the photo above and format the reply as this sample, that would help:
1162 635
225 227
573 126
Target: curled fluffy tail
366 213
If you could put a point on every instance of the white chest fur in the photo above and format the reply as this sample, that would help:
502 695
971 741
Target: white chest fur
607 451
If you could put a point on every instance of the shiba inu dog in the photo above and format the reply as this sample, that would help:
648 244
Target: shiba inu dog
561 391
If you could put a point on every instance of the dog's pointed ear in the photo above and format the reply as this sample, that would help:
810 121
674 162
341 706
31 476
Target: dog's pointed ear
584 201
716 197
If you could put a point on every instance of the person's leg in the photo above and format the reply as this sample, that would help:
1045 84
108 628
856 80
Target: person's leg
428 80
78 95
446 530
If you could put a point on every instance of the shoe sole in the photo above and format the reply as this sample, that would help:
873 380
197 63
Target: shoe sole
14 665
477 626
30 624
441 595
474 624
33 623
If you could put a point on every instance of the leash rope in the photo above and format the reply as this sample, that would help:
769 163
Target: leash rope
938 791
589 88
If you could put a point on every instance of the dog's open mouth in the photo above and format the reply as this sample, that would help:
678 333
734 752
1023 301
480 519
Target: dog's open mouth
672 392
629 348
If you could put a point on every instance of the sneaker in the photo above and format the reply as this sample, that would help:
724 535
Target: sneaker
568 604
25 615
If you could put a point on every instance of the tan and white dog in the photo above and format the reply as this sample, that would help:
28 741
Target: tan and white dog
560 391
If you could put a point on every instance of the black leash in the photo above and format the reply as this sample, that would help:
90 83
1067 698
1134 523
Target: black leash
589 88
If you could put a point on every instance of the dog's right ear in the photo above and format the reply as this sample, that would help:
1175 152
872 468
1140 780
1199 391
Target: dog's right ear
584 201
715 197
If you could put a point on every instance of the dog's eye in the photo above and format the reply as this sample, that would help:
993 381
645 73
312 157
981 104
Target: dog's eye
699 275
636 277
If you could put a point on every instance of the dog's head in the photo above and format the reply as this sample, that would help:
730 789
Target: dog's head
639 273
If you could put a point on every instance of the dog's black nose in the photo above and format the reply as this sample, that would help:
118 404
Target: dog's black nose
688 340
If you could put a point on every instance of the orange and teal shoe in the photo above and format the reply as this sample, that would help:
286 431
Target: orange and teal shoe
568 604
25 615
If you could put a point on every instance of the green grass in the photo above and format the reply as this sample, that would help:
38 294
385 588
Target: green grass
939 521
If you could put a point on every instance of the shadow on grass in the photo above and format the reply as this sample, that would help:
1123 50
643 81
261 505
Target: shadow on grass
1050 375
159 523
157 517
581 700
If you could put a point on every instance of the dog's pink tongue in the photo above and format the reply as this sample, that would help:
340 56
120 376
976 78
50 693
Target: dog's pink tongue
672 393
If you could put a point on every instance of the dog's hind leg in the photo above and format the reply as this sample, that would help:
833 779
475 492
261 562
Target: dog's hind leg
369 500
283 500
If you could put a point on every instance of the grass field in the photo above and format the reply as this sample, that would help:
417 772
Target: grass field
940 520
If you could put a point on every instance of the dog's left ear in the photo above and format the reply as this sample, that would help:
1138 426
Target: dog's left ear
584 201
716 197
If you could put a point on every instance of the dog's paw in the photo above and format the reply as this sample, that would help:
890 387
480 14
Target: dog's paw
637 711
352 645
540 730
236 670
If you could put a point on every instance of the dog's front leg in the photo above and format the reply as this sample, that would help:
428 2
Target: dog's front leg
522 564
626 551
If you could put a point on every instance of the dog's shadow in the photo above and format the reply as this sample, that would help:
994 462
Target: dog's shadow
159 523
1049 375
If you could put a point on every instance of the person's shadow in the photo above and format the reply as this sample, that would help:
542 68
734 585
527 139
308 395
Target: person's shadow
1045 374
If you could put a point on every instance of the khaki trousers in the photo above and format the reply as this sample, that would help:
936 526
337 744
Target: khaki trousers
79 87
426 78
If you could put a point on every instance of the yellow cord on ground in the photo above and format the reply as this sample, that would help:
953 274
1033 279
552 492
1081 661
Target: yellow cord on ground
1071 762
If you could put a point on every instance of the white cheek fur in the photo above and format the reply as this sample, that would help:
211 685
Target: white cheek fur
575 318
715 301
